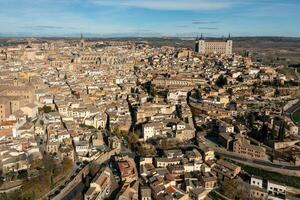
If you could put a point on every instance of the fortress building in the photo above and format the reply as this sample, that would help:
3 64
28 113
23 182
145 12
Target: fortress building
213 47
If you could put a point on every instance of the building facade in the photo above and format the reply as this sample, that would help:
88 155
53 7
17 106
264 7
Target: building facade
242 146
213 47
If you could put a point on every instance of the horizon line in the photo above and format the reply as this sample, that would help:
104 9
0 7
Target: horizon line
137 36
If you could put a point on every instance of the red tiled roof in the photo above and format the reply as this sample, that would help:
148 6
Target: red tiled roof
7 123
170 190
6 132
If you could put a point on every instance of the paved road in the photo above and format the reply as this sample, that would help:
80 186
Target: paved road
290 111
259 162
293 108
228 154
63 184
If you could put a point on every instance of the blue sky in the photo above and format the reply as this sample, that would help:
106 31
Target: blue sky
150 17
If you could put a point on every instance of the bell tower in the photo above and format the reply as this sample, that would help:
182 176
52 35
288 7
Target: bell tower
82 43
200 44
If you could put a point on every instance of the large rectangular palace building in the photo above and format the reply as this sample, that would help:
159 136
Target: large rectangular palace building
213 47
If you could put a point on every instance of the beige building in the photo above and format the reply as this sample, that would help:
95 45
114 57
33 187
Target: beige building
258 193
213 47
102 187
4 108
8 105
25 93
242 146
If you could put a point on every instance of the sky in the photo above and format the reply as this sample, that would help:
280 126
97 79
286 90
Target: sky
181 18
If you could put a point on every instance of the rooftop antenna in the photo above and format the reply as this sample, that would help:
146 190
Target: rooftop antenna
201 36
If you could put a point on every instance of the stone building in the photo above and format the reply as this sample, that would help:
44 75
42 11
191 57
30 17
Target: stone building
203 46
242 146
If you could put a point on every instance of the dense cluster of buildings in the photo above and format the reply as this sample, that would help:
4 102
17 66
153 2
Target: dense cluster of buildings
159 106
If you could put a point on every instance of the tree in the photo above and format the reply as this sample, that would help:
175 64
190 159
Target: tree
17 194
37 164
51 182
277 92
10 175
46 109
235 189
281 134
230 91
240 118
163 93
133 138
240 79
78 196
229 188
197 94
254 89
67 165
221 81
146 150
1 181
22 174
272 133
3 196
168 143
251 119
264 131
149 88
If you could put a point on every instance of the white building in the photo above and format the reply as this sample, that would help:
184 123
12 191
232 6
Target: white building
151 129
191 167
226 128
255 181
276 190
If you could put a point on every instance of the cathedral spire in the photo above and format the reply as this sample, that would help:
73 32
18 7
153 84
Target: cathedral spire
81 41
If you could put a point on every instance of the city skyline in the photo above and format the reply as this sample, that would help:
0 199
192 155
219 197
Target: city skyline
102 18
149 99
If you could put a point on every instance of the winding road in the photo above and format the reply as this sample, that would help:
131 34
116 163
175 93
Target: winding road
235 156
290 111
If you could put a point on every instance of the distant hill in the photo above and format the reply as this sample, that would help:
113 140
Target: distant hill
278 50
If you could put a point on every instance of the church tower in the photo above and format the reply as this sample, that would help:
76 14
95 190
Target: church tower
82 44
200 44
197 44
229 45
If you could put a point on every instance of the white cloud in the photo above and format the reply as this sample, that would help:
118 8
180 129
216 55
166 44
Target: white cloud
169 4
